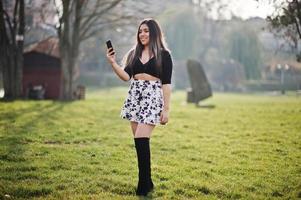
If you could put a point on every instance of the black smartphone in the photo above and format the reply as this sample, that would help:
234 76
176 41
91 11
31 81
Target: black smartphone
109 45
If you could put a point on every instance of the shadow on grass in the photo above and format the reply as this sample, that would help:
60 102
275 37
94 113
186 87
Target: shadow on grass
205 106
14 143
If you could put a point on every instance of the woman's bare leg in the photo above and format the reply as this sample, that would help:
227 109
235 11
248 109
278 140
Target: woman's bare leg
134 127
144 130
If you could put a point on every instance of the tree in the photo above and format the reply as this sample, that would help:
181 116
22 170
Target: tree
285 22
79 20
183 31
191 30
12 27
210 14
244 47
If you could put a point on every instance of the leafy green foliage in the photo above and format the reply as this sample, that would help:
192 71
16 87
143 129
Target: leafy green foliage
287 23
245 48
183 33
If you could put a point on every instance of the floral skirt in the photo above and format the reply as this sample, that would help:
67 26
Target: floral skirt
144 102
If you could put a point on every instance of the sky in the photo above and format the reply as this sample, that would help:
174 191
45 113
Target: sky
241 8
250 8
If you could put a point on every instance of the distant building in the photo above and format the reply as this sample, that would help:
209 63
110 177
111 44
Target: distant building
287 70
42 70
272 69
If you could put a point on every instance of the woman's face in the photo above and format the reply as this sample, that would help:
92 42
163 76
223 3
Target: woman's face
144 34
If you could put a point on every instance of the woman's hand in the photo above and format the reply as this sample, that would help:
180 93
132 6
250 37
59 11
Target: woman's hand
111 55
164 117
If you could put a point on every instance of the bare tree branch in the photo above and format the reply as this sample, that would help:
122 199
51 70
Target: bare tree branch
92 18
102 25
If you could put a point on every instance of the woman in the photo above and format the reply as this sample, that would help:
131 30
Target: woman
149 67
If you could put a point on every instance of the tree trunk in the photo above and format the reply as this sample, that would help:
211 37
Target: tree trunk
69 46
78 22
7 68
19 50
11 49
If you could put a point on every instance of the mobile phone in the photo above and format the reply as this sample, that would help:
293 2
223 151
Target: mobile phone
109 45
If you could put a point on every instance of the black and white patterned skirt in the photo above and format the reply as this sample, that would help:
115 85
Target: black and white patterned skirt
144 102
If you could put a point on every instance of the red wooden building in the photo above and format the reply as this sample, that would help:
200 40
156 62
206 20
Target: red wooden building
42 68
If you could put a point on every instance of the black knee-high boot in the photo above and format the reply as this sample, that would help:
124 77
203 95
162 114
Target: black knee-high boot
145 183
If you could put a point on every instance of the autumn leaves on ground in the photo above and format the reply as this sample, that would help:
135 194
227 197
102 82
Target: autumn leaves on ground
239 146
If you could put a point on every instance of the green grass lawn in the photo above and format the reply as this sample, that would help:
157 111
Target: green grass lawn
246 147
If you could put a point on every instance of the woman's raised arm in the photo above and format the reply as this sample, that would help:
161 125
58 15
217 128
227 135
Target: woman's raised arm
117 69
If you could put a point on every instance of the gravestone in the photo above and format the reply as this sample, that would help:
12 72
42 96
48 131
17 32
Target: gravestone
200 87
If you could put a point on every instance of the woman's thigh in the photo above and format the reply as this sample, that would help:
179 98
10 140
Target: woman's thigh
134 127
144 130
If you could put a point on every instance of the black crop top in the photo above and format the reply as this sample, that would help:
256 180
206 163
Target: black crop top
150 68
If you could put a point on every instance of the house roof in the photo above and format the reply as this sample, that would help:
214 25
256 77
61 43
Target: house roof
49 46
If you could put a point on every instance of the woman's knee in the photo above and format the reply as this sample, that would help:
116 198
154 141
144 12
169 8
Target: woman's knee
141 135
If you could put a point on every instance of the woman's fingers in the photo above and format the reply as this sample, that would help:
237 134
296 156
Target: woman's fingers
111 55
163 118
110 52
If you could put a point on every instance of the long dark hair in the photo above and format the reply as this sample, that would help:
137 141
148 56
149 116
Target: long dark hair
156 44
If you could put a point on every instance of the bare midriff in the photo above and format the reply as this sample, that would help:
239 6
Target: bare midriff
143 76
